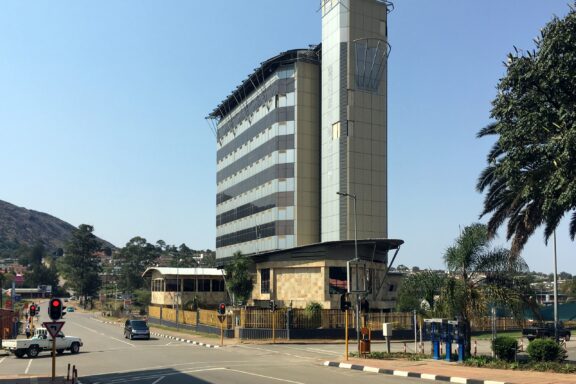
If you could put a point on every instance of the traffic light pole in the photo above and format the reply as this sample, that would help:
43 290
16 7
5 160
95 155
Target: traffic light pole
53 358
346 333
222 331
273 327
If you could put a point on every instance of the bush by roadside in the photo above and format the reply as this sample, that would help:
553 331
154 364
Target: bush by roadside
546 350
492 363
505 348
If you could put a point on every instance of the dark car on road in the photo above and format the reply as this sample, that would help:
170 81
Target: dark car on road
136 329
546 330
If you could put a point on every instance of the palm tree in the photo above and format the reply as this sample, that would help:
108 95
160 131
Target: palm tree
480 275
530 178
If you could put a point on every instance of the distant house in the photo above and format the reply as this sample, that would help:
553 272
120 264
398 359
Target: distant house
30 293
184 286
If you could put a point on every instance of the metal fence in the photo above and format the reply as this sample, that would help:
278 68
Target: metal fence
257 323
500 323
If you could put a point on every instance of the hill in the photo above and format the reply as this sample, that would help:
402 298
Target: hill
20 226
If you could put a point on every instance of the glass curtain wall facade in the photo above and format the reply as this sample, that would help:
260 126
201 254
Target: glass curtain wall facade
354 118
268 158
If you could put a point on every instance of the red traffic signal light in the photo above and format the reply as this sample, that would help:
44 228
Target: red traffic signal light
344 303
222 309
272 305
32 310
55 309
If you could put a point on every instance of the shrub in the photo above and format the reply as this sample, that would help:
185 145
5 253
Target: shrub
314 314
545 350
505 348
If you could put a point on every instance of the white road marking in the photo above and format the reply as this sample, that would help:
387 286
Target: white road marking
2 360
113 338
264 376
315 350
278 352
122 341
28 367
159 379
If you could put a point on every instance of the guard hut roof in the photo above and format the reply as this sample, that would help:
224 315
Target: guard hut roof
173 271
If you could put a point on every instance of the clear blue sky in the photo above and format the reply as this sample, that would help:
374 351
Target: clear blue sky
102 108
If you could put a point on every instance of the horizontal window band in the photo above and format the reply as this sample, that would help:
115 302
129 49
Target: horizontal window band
275 228
279 199
278 171
278 143
277 115
280 86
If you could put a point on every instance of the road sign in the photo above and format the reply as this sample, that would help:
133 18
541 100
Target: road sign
53 327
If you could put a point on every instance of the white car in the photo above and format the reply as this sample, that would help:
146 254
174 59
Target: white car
42 341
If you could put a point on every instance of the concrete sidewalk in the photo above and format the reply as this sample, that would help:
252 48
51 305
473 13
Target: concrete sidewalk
451 372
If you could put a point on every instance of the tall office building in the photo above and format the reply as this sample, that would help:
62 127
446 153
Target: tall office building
268 162
305 125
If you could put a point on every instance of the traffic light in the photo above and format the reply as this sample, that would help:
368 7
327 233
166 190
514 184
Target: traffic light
364 306
272 305
55 309
32 310
344 303
222 309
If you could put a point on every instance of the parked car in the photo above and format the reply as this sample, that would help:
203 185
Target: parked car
70 309
544 330
136 329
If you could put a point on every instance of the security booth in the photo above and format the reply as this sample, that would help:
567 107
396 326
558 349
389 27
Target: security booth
458 336
435 329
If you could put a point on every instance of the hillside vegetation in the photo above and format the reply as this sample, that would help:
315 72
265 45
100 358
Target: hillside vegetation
24 228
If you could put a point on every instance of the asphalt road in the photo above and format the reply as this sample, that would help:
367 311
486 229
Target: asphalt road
107 357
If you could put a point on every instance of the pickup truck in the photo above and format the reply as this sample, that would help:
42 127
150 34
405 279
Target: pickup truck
545 330
42 341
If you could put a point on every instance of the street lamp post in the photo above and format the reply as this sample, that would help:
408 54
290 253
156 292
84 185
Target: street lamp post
357 307
555 291
177 296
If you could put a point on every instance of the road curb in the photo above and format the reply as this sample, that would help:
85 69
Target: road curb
188 341
416 375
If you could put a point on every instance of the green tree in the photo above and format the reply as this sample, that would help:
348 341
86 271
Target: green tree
419 291
188 256
530 179
208 260
482 276
183 256
40 274
133 259
238 278
80 265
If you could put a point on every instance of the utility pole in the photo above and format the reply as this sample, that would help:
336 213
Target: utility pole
555 292
357 307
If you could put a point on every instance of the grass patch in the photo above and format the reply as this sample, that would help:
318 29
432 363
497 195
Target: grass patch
391 356
491 363
185 331
488 336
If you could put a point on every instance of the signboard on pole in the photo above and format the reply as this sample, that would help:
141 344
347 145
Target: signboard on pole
53 327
